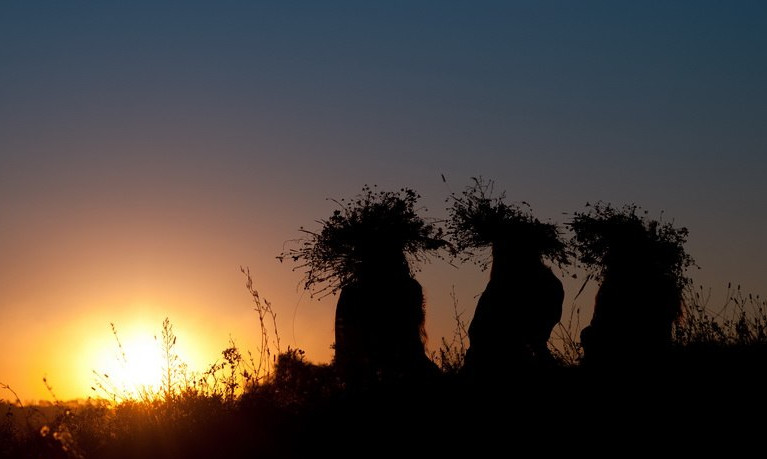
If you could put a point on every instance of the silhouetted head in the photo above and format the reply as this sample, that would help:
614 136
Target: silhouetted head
624 242
373 234
629 248
478 220
381 260
514 254
512 249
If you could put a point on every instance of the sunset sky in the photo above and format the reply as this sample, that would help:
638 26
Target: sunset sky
148 149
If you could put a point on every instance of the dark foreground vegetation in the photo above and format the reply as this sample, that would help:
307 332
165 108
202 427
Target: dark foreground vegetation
707 394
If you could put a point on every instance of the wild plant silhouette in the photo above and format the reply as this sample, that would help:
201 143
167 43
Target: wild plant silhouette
296 410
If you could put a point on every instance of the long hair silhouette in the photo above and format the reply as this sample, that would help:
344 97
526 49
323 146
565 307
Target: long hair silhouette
365 250
523 299
516 313
641 264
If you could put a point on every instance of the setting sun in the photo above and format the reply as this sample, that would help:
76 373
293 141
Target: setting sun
137 368
130 359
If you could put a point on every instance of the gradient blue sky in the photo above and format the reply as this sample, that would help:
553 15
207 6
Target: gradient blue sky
148 149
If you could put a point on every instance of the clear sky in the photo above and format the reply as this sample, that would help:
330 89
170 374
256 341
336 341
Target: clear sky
148 149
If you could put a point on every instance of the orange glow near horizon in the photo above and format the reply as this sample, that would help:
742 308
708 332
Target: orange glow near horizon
138 366
134 365
131 360
74 352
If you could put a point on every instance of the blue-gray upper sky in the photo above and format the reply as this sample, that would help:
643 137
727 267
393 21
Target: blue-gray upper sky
150 148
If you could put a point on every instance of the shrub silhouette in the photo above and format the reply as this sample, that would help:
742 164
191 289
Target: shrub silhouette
366 250
523 299
641 264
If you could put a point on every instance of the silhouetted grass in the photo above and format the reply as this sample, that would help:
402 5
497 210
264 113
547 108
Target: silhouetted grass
451 354
293 408
740 321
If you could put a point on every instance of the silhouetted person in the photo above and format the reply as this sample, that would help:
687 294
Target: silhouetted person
379 323
515 314
634 310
